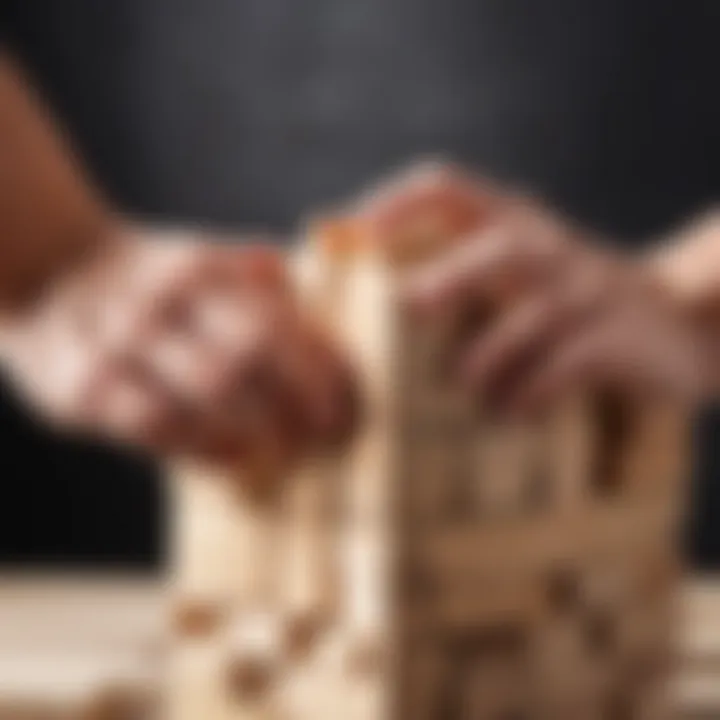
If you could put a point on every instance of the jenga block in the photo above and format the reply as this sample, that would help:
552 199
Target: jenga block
493 687
440 467
311 578
258 549
203 542
507 465
565 678
481 603
648 627
655 703
196 682
256 647
226 557
569 453
426 372
529 545
660 448
424 682
611 582
366 589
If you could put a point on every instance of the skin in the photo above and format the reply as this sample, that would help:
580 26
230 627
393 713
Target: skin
161 339
176 343
558 311
179 345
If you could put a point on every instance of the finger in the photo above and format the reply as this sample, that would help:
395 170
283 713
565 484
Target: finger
586 361
452 280
326 387
524 252
261 267
427 209
487 269
169 298
153 293
528 333
134 406
422 180
184 258
440 186
237 322
257 374
206 364
299 376
228 366
519 335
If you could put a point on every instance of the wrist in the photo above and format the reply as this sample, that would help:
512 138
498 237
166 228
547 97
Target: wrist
35 279
81 273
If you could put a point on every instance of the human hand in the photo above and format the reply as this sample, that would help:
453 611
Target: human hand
182 346
553 310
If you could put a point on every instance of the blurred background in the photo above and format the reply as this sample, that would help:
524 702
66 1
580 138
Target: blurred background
247 113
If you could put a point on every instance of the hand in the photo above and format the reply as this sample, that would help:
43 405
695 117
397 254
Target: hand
554 312
183 346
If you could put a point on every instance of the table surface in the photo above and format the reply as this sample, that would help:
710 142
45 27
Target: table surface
60 634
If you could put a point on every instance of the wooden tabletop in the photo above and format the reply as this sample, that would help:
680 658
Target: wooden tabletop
62 636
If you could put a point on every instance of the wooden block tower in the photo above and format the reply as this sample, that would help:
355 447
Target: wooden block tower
445 566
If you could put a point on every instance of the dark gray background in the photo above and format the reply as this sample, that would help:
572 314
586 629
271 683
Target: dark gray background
249 112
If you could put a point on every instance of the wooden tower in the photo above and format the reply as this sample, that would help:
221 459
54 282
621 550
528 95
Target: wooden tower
445 566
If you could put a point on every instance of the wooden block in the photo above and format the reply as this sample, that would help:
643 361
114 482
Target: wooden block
425 681
538 542
196 683
568 456
507 459
203 534
311 570
659 454
654 701
647 627
608 583
258 551
438 484
493 687
367 604
480 604
565 680
255 653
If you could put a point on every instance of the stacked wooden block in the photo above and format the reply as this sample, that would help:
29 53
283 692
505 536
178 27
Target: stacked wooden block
446 565
56 665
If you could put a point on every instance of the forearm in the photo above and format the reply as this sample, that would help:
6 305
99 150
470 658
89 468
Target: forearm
51 217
